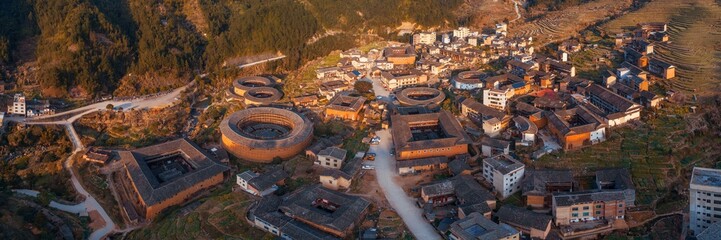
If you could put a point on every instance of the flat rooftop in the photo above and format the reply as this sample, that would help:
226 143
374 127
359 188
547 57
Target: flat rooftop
706 177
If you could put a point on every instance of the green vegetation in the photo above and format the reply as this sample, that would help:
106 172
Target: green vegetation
221 215
32 159
130 47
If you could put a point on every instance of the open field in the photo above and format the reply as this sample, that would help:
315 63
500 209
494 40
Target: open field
694 29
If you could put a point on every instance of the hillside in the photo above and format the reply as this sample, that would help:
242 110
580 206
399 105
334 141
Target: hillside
85 48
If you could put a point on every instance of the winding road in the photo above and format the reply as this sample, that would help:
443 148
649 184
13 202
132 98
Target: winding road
90 204
68 117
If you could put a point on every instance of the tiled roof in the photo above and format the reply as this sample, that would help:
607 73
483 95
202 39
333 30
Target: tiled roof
523 217
402 137
483 110
620 177
354 104
568 199
592 121
268 179
334 152
610 97
535 181
300 205
149 187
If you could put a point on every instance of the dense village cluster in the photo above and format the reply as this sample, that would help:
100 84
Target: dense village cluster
444 115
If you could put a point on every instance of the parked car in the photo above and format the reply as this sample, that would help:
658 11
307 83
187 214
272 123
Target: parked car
368 167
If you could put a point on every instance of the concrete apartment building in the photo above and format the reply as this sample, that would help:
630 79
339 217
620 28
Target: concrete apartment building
497 98
504 173
403 78
331 157
704 199
18 107
574 207
427 38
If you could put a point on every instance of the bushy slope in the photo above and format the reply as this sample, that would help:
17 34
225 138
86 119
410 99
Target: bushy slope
91 47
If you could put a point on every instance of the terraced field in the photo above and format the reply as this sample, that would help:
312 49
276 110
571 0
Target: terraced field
559 25
694 29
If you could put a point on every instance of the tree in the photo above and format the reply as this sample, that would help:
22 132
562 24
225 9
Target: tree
109 106
363 87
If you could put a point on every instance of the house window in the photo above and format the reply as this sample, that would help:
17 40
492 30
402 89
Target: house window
585 208
620 205
598 206
574 215
598 212
574 209
585 214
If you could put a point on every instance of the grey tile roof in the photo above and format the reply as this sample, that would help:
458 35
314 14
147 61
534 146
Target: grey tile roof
495 143
334 152
457 166
610 97
346 103
452 128
713 232
568 199
268 179
149 187
535 181
299 204
523 217
617 178
592 121
469 191
483 110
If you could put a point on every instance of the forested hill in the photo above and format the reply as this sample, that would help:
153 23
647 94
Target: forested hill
92 47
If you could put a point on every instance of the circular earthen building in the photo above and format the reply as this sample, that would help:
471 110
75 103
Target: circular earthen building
242 85
263 133
420 96
261 96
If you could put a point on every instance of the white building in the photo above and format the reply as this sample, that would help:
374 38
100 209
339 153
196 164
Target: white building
260 184
18 106
504 173
331 157
705 198
427 38
501 28
497 98
462 32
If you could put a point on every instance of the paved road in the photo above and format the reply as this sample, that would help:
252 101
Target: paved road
385 167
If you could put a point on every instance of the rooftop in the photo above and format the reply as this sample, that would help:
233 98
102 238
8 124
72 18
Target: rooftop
476 226
429 130
523 217
346 103
575 120
485 111
706 177
614 178
537 181
328 208
503 163
161 171
564 199
334 152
